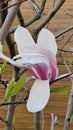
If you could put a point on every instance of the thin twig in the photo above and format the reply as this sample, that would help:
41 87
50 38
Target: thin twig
47 18
4 82
21 1
64 31
61 77
3 120
20 18
69 111
54 121
62 50
15 102
67 41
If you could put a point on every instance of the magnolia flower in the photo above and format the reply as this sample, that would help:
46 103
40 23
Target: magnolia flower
40 60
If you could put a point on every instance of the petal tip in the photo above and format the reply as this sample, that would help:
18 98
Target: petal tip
49 41
37 101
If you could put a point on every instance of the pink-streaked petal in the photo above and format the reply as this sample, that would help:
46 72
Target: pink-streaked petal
52 63
41 70
39 96
47 40
37 64
22 38
53 72
36 56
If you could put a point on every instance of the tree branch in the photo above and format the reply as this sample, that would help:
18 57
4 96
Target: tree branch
36 16
48 18
8 21
3 120
64 31
14 102
20 18
70 102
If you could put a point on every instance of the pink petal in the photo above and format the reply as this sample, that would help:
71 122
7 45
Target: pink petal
36 63
41 70
34 52
52 63
39 96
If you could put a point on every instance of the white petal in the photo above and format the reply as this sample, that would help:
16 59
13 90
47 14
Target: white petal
22 38
47 40
39 96
31 58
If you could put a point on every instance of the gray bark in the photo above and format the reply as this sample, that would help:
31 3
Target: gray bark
47 19
37 121
8 21
69 111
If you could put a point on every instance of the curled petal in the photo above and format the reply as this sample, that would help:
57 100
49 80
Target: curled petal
39 96
38 55
36 63
41 70
30 56
2 56
52 63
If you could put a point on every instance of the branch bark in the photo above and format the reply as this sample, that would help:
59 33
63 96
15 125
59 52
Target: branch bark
37 121
4 13
36 16
64 31
8 21
20 18
3 34
69 110
47 19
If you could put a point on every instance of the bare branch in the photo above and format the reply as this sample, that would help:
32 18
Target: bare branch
69 111
7 7
36 16
3 120
8 21
48 18
54 121
15 102
61 77
20 18
64 31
